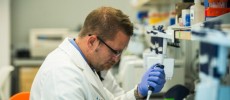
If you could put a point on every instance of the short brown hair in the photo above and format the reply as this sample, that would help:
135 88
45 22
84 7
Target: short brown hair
106 22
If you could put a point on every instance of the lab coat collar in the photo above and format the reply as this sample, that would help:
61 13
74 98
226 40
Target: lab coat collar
76 57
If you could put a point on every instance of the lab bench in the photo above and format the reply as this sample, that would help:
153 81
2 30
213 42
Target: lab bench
24 73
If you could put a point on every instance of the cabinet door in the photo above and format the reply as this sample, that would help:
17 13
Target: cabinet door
26 77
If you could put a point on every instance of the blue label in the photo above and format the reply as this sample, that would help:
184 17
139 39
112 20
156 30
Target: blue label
187 20
172 21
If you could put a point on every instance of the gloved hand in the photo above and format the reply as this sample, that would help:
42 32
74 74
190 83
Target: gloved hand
154 77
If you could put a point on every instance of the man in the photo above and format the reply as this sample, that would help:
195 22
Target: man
73 70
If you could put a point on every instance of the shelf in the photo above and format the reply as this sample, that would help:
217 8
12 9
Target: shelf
27 62
180 32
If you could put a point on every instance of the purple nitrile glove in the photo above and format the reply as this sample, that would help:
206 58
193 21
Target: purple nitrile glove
154 77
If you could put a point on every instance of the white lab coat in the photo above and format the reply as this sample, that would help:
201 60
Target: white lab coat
65 75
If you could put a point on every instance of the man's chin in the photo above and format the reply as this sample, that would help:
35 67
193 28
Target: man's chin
108 66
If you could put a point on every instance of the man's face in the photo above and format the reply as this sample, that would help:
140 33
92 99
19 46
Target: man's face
109 52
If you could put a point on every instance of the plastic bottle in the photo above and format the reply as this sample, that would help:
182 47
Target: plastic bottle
172 18
197 13
172 15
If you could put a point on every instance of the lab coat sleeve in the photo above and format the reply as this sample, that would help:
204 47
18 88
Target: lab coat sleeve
112 86
127 96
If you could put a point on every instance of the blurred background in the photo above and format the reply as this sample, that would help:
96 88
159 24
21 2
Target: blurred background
30 29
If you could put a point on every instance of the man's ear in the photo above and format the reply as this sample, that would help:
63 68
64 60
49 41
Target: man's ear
92 42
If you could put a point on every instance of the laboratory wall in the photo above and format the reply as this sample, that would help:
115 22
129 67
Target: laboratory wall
28 14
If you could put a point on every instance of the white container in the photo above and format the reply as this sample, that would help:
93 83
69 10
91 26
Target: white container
185 12
197 13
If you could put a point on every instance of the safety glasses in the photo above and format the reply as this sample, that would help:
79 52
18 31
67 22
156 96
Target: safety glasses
116 52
